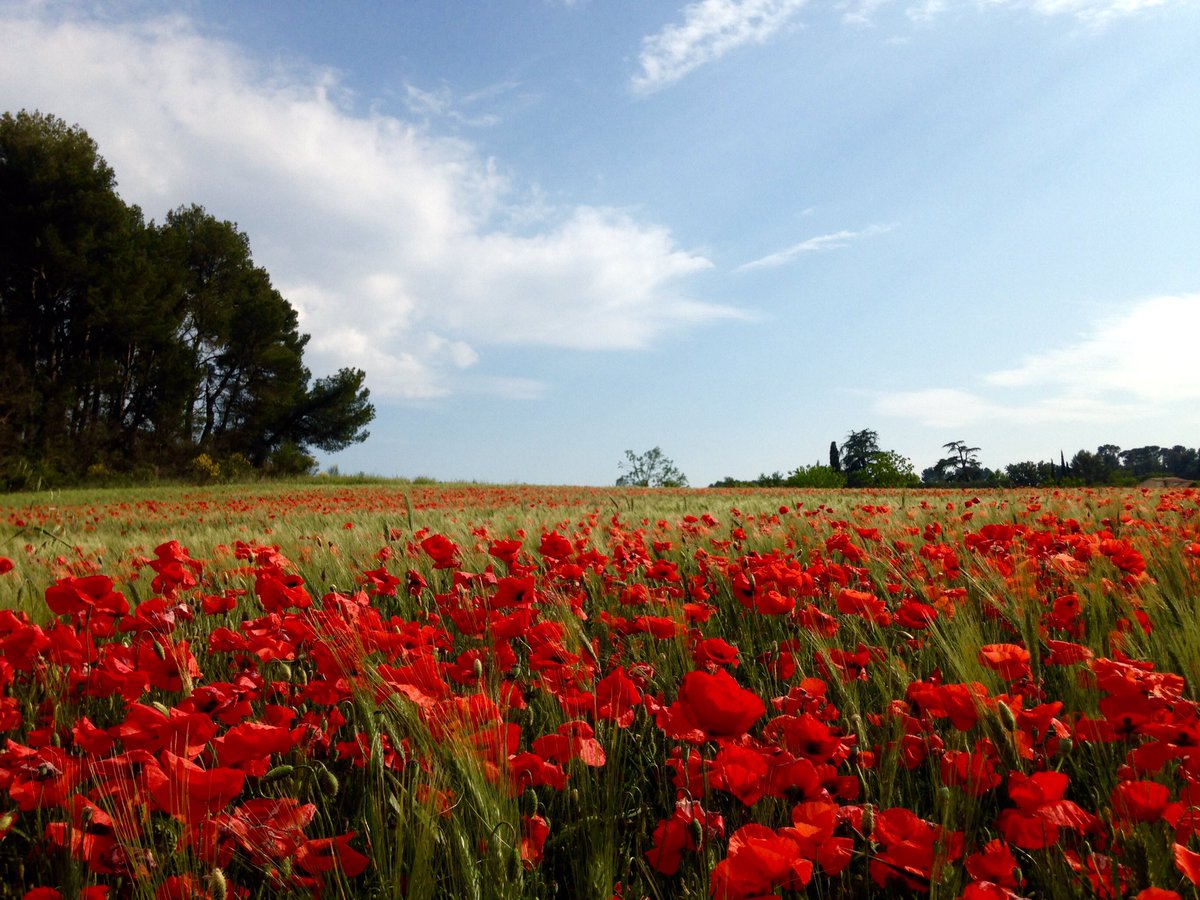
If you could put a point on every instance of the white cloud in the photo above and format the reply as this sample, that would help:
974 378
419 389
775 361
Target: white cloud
819 244
1095 12
709 30
924 12
1149 352
395 244
1135 365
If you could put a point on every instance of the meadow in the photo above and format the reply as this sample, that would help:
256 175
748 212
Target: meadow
420 691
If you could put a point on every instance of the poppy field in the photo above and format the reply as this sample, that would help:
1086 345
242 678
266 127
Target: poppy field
404 691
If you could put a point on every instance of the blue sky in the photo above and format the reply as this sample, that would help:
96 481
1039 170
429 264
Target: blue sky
554 231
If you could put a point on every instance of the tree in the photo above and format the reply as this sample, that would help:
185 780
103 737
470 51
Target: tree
962 463
835 460
74 291
126 343
857 451
887 469
650 469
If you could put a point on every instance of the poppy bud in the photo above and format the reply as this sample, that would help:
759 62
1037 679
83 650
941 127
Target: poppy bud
1065 745
327 781
162 708
478 667
532 798
868 819
218 886
159 651
1006 715
697 831
277 773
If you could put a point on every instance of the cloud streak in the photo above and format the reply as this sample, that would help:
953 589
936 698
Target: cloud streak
405 252
1134 365
709 29
820 244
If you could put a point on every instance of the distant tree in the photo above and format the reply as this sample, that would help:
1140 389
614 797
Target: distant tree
1182 462
835 459
1089 468
962 463
857 452
1110 455
650 469
1144 462
887 468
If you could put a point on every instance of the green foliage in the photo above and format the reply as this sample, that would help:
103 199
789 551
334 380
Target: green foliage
289 460
816 476
650 469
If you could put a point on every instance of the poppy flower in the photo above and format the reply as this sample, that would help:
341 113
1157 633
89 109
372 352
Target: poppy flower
711 707
1040 811
1188 862
688 827
321 855
534 831
191 792
1011 661
995 863
1140 801
759 860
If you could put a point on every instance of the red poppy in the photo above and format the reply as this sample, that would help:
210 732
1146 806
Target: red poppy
191 793
1011 661
1140 801
1188 862
759 860
534 831
711 707
995 863
321 855
1040 810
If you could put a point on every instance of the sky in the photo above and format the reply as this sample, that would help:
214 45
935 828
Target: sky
553 231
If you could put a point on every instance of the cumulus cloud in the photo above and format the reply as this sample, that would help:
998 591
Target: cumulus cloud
1137 364
405 252
709 29
819 244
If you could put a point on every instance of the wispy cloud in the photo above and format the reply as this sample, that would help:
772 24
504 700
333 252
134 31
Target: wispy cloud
1137 364
1094 11
819 244
709 29
924 12
405 251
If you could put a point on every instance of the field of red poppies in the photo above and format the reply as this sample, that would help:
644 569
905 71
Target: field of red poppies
418 692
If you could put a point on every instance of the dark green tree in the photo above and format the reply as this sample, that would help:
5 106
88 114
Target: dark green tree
250 391
122 343
835 459
858 450
961 465
78 299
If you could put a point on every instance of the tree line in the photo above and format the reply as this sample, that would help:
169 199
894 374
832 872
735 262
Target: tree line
140 347
860 462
